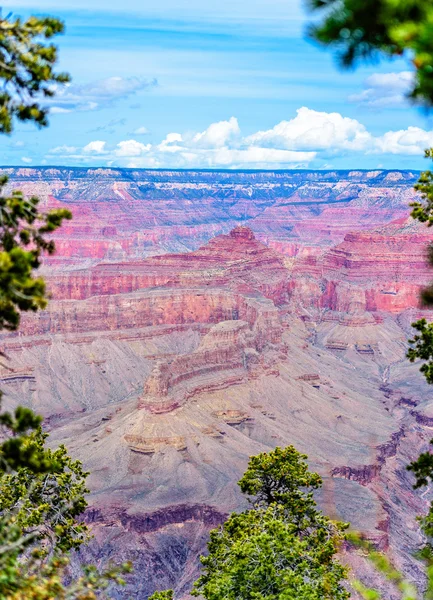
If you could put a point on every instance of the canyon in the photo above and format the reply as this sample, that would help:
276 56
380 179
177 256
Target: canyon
200 317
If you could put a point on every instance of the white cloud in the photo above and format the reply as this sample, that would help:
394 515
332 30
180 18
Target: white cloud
96 94
58 110
313 131
96 147
131 148
410 141
309 136
171 143
383 90
26 160
141 131
226 157
391 81
217 134
64 150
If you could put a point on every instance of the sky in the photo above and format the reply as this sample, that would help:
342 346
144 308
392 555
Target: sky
215 84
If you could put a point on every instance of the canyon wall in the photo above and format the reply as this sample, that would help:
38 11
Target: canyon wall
126 213
198 318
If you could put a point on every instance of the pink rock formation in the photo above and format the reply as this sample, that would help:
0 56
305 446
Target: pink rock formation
123 214
237 261
383 270
232 352
165 369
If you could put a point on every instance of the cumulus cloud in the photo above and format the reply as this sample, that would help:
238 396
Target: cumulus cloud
309 136
96 147
131 148
312 130
171 144
26 160
383 90
96 94
218 134
410 141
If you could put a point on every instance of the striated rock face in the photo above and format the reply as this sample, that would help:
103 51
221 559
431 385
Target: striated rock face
199 318
124 213
232 352
237 261
150 308
383 270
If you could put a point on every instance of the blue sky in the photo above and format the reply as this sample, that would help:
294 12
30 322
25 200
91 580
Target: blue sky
221 84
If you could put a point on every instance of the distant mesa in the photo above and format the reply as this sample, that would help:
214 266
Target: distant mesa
242 233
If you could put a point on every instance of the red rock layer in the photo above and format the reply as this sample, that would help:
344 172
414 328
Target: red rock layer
237 261
382 270
124 214
143 309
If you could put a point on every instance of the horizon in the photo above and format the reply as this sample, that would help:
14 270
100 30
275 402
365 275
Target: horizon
208 170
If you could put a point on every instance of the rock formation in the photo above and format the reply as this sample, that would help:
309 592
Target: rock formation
199 318
124 213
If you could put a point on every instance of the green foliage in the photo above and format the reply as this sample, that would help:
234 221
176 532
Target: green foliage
41 490
26 69
282 477
20 449
45 581
423 210
39 525
259 554
422 468
166 595
422 342
23 238
281 549
362 30
27 77
365 30
422 348
46 505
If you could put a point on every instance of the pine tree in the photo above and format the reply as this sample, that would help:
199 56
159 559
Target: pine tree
369 30
283 547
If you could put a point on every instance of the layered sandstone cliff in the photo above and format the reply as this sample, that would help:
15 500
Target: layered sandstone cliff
124 213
